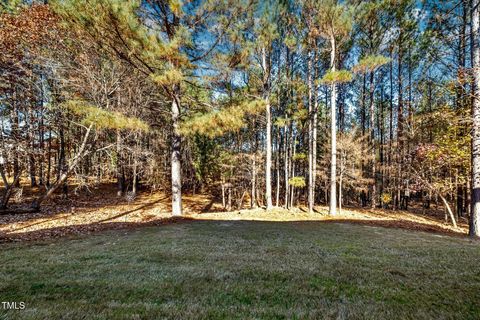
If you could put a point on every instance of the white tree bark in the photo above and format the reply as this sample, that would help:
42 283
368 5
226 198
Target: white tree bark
449 210
176 165
474 229
268 134
311 186
333 164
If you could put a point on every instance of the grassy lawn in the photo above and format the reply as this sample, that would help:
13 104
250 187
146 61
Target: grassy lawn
240 269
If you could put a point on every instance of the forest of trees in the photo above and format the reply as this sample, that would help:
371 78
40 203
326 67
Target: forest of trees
259 103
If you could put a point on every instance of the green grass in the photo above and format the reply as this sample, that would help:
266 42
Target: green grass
244 270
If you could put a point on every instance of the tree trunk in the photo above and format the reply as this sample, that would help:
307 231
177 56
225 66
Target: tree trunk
135 177
340 195
41 158
449 210
176 154
16 135
268 134
363 112
333 164
474 228
277 168
399 123
390 119
120 172
49 158
311 186
314 140
253 200
62 160
31 141
292 163
223 195
372 141
286 169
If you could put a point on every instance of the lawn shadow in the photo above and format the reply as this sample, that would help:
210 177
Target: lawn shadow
106 224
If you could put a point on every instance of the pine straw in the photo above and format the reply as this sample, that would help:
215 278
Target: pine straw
102 209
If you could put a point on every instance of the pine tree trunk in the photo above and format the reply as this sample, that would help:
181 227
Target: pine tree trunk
311 186
253 200
176 154
120 172
314 140
381 128
333 164
286 164
390 119
268 134
292 163
372 141
41 157
363 113
399 123
277 168
474 229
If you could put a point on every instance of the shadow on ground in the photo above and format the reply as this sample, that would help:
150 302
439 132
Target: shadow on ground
106 224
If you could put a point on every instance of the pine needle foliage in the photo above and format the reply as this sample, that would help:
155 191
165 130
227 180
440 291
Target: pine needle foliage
340 76
103 119
297 182
218 122
370 63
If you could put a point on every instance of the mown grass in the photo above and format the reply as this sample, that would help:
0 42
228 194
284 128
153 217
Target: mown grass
244 270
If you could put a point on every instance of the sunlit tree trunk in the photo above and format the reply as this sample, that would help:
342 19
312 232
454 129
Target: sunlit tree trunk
399 123
286 169
253 198
474 229
292 163
333 164
311 160
268 134
277 168
176 154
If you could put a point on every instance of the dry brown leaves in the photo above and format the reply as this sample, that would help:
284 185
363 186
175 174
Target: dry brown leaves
101 209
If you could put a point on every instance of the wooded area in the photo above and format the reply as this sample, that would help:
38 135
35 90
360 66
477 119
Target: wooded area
274 103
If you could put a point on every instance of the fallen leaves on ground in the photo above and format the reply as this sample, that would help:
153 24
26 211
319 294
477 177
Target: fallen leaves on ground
101 209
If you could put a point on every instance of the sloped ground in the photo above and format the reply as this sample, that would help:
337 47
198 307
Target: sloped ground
101 209
244 270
